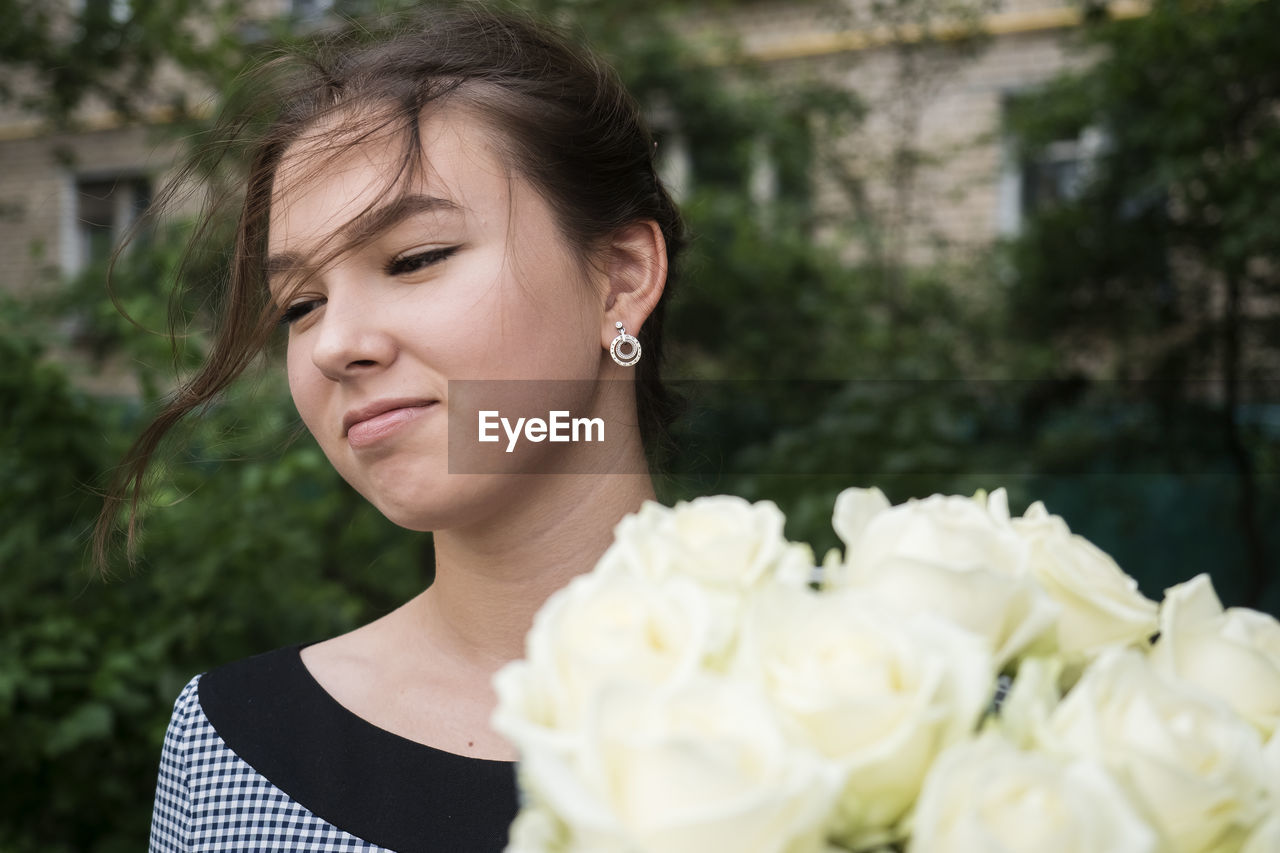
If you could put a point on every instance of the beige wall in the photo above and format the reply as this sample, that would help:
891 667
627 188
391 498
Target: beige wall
951 110
965 194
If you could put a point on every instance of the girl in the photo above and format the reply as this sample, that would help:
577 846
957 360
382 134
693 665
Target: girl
471 198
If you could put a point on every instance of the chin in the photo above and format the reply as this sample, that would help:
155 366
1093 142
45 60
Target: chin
460 500
422 515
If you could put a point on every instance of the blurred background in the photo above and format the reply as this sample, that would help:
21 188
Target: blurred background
939 245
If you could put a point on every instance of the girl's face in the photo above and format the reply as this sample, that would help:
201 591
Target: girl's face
466 276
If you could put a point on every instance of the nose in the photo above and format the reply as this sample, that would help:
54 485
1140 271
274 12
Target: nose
352 336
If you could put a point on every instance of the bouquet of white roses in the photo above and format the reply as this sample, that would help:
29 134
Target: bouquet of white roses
956 680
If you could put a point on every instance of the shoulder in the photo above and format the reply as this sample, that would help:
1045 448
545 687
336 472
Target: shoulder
184 707
227 707
210 796
213 703
246 679
171 812
212 734
257 703
250 683
185 727
172 804
264 744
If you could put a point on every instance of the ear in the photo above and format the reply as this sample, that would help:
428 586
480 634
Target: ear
636 268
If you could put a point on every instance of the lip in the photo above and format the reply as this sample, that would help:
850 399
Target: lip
369 424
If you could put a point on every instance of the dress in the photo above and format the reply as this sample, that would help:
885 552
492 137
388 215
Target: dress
259 757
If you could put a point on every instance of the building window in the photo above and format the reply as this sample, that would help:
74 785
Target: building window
1057 173
103 210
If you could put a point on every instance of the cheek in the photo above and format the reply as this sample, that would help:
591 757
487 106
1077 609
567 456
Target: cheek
302 376
557 332
468 332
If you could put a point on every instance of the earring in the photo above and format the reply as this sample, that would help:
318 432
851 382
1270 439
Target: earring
631 354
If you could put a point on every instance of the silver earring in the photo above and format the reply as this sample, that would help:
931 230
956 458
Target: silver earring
625 349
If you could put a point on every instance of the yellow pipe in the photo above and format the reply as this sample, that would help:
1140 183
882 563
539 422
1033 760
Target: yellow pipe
998 24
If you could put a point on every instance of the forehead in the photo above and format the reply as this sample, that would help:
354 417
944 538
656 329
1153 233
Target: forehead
341 174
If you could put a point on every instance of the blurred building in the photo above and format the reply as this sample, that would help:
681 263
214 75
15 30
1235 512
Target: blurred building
66 198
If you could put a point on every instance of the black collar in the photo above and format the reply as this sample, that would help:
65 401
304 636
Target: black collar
366 781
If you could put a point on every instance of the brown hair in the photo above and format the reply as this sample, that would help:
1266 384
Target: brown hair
568 124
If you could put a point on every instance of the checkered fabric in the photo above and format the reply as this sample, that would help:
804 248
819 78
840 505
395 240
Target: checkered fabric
209 799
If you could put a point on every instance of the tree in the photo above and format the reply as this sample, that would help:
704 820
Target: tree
57 57
1161 268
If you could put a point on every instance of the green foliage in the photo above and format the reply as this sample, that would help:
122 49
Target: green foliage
241 558
1162 265
111 52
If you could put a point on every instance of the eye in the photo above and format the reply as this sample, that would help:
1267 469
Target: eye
405 264
297 311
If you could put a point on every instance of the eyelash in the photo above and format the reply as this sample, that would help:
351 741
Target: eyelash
297 311
396 266
415 262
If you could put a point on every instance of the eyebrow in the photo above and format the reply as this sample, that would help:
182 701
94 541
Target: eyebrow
368 225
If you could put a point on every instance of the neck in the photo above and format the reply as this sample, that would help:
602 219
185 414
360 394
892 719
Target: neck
491 581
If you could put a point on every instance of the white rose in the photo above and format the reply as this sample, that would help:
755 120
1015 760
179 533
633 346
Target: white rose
954 556
601 629
1191 766
1234 654
1266 838
878 695
1029 702
702 766
1101 605
723 542
730 547
854 510
964 532
987 795
1271 758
